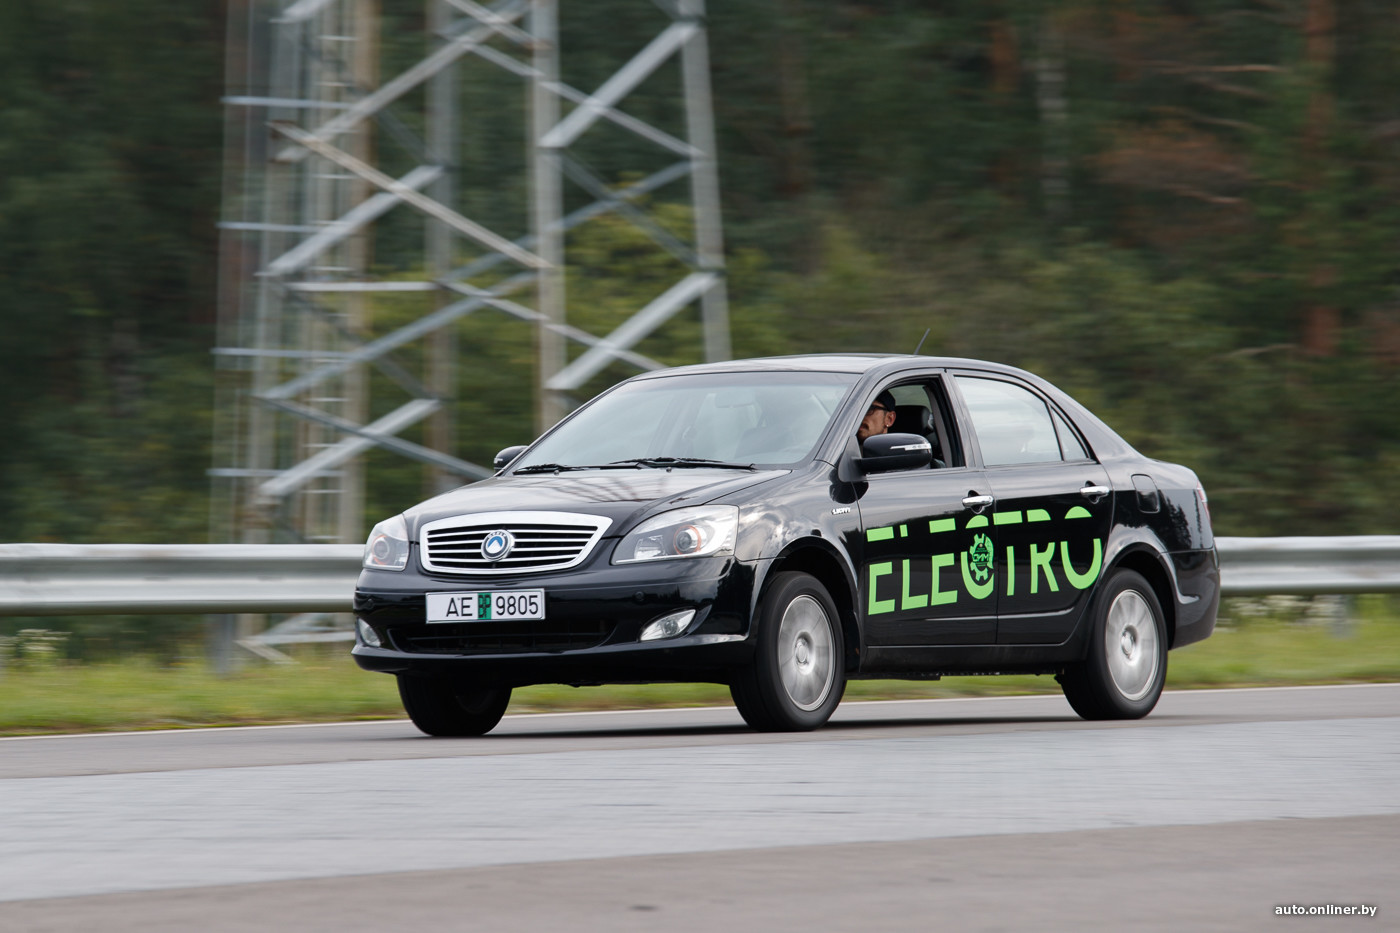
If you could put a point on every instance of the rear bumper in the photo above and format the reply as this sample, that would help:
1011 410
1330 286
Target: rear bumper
1198 595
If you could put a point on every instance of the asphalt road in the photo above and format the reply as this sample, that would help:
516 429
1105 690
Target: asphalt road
944 814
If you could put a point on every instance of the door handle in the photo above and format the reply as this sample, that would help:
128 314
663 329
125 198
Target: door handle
1094 492
977 503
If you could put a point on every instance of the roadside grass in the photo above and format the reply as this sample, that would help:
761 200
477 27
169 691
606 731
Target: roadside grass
1271 642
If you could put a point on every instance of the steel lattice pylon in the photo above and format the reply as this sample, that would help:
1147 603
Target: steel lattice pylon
304 192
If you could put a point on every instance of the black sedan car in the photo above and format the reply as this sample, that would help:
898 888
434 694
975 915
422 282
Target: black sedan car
723 523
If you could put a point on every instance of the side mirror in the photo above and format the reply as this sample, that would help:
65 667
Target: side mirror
504 458
884 452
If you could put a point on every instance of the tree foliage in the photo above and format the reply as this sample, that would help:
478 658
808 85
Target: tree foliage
1186 213
109 162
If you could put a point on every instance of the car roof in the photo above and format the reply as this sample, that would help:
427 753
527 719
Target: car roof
833 362
878 366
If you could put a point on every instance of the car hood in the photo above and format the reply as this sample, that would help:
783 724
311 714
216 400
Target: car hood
625 496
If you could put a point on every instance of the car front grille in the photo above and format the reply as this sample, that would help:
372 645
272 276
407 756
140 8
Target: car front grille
541 541
499 637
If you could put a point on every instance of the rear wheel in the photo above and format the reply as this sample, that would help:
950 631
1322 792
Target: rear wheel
439 707
798 673
1123 675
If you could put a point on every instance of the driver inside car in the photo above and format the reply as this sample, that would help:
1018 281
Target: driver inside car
879 418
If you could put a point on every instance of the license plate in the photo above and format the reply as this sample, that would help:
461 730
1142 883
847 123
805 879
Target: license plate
492 605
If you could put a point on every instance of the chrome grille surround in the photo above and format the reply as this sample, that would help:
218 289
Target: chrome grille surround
543 541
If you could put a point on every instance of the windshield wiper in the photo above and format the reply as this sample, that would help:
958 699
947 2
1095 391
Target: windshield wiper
635 462
547 468
566 467
690 462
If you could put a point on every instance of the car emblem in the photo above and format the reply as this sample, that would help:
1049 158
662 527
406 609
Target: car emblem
497 545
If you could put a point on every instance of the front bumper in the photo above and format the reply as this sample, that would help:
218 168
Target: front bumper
590 634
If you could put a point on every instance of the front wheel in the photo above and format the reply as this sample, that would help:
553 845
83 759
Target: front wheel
798 673
1126 667
442 708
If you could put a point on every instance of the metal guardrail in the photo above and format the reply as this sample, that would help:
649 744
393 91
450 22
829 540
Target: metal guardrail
119 579
1309 566
96 579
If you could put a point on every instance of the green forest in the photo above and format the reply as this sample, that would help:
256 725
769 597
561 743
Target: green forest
1186 213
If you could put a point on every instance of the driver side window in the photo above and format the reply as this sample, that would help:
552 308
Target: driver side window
920 408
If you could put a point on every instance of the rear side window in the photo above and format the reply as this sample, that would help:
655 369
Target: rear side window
1069 442
1012 424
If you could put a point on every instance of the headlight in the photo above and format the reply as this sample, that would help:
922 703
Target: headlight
387 547
683 533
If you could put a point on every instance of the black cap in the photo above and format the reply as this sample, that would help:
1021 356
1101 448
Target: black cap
885 399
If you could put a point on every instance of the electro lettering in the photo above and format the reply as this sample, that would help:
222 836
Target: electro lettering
971 572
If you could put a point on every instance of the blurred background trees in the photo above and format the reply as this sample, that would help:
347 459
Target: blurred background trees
1185 213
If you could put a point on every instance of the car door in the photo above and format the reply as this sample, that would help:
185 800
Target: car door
1052 511
926 545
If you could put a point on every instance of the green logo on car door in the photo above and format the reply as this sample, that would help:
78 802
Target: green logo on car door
979 557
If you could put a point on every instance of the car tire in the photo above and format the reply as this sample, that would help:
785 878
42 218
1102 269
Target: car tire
442 708
798 672
1126 667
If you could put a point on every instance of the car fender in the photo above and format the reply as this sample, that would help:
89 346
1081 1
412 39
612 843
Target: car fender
1140 547
809 532
831 567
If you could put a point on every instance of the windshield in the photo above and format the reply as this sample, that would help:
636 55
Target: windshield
730 418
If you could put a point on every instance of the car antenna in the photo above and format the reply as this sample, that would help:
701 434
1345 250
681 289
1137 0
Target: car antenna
921 341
